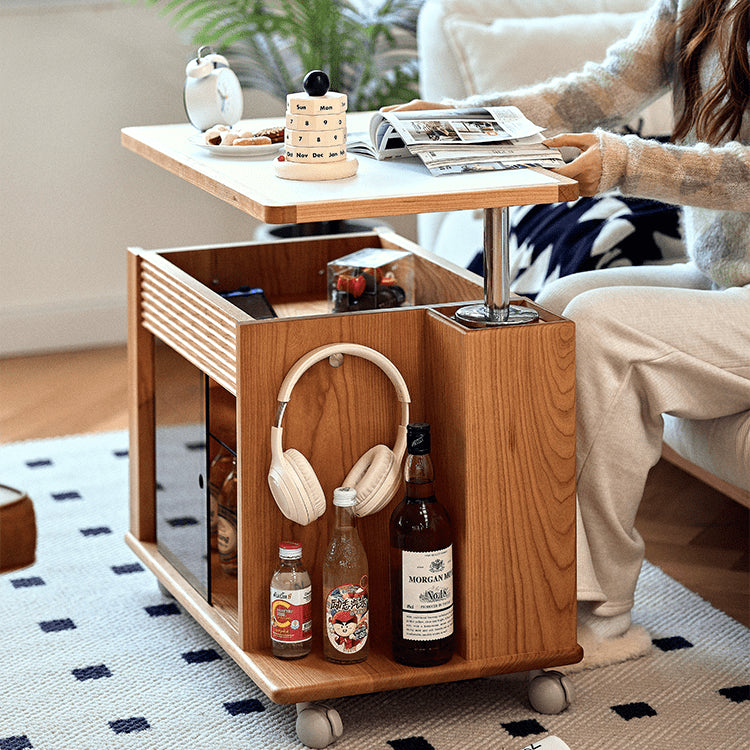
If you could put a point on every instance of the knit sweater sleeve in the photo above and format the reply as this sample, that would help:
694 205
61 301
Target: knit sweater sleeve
633 74
699 175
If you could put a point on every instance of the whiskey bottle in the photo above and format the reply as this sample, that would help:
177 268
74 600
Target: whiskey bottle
421 563
226 528
291 605
346 609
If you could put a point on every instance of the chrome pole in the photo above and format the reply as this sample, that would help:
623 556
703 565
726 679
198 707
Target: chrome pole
496 309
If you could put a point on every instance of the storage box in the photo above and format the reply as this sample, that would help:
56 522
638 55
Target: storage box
370 279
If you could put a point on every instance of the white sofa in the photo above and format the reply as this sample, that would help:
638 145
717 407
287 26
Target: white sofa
472 46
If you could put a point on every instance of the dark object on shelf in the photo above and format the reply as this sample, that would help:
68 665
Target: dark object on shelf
253 301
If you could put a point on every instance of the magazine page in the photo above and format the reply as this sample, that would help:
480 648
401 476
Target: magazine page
441 127
382 141
510 154
450 141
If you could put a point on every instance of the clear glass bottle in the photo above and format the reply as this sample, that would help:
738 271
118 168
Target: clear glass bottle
346 608
421 563
226 531
291 605
220 467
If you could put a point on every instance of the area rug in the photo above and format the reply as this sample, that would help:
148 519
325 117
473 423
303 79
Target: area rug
93 656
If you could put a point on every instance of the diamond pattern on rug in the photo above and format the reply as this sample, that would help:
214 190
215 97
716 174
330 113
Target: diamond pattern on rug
39 463
96 531
15 743
738 694
637 710
91 673
54 626
126 726
201 656
161 610
67 495
121 570
411 743
25 583
523 728
673 643
249 706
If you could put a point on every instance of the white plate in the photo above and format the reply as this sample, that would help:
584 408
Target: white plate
265 149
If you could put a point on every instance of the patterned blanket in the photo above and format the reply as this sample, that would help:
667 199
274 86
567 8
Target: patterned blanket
550 241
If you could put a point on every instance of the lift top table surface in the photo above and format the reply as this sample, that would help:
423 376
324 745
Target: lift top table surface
380 188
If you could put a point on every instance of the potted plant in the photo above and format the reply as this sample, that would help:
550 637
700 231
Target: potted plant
367 47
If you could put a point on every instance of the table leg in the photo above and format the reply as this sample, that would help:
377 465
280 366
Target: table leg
496 309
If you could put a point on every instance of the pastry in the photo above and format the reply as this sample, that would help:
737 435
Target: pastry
275 134
256 141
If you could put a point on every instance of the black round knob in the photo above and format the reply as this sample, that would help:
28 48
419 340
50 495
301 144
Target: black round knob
316 83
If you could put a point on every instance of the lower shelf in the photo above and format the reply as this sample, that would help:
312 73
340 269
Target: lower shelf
314 678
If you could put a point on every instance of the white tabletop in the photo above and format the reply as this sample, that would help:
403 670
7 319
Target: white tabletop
387 188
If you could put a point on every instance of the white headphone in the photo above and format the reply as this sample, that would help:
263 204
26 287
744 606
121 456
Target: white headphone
376 476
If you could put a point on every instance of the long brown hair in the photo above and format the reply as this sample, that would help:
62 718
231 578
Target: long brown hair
718 112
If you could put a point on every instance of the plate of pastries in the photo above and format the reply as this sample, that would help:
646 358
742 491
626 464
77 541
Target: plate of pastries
238 140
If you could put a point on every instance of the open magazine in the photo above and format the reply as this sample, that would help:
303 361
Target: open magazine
451 141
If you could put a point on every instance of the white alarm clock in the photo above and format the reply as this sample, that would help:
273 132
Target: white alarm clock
212 94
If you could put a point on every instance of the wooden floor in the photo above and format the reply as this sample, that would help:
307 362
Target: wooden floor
695 534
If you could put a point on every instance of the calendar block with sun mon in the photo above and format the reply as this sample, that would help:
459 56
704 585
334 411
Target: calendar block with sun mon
315 134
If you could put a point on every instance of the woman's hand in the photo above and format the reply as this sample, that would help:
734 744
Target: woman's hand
415 104
586 168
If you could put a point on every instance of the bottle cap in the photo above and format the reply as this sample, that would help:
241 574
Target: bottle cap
418 438
345 497
290 550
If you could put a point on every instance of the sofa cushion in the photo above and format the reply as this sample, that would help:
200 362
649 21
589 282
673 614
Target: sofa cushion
720 446
503 52
509 53
484 9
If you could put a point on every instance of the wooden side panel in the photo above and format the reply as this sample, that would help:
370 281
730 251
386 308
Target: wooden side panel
140 412
503 405
334 416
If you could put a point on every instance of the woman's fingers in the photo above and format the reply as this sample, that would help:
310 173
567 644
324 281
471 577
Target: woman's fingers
577 140
586 169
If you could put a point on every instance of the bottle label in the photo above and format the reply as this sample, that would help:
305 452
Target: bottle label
291 615
427 586
226 535
348 617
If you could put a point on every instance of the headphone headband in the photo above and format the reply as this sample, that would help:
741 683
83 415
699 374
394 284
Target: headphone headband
376 475
322 352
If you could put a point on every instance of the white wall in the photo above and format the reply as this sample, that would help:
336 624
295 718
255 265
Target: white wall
72 199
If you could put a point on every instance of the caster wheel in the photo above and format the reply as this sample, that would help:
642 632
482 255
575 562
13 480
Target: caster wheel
551 692
318 725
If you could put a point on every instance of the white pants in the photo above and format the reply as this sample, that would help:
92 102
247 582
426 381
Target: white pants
649 340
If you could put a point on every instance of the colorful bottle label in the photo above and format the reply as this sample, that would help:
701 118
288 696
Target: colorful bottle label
291 615
348 617
427 586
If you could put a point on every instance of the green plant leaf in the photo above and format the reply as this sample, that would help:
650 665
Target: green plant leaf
367 47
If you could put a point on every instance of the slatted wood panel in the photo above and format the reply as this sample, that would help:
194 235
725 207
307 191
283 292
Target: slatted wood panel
175 310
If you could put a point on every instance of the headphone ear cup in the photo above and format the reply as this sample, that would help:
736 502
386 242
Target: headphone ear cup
368 476
304 477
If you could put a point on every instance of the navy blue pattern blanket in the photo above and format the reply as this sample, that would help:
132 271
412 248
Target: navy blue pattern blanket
550 241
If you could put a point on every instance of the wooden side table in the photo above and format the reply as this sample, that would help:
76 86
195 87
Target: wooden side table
500 399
